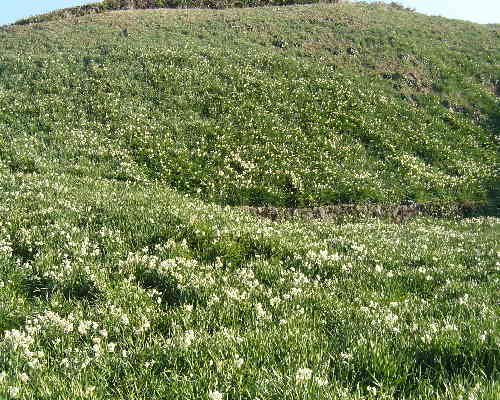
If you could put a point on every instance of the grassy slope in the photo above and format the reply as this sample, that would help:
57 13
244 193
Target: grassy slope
100 264
115 5
287 106
408 310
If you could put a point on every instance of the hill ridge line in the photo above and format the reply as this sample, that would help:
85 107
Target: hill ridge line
135 5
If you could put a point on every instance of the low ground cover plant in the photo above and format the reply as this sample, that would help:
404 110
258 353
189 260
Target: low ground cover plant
259 107
127 138
114 290
116 5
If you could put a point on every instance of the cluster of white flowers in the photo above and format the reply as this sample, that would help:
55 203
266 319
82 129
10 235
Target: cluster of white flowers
304 375
286 284
215 395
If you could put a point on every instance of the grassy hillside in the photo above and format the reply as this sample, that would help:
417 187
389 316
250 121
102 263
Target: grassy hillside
116 5
131 291
293 106
124 136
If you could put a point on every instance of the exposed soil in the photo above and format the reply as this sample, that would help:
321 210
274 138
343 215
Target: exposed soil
395 212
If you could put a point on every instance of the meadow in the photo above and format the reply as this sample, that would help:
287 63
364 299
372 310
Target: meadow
130 139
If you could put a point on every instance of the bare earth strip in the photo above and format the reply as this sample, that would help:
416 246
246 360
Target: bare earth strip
396 212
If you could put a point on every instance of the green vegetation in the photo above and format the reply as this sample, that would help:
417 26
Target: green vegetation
115 5
141 293
294 106
126 136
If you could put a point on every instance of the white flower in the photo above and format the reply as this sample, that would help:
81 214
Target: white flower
83 327
213 299
232 293
124 319
238 362
261 313
346 268
13 391
391 318
146 325
3 374
103 333
320 381
426 338
275 301
89 390
97 349
67 326
372 390
303 374
215 395
188 337
450 327
24 377
111 347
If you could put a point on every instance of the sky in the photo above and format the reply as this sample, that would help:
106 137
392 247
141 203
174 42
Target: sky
481 11
12 10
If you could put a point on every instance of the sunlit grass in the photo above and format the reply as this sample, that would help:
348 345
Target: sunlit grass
264 106
124 272
115 287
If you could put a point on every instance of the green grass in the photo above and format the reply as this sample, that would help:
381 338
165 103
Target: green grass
409 309
125 137
116 5
293 106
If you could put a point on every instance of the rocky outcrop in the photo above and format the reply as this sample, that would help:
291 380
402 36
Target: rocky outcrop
395 212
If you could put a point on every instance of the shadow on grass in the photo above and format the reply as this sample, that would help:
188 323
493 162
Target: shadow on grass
81 289
35 287
439 364
404 366
172 294
494 200
405 369
22 251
